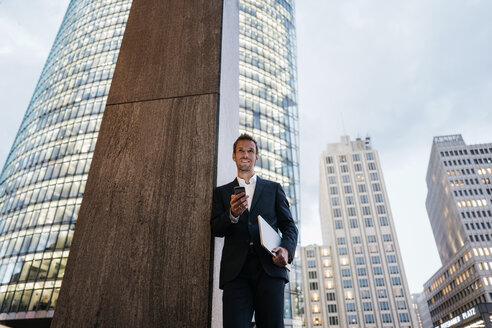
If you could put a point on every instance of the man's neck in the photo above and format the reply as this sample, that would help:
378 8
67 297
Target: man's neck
246 176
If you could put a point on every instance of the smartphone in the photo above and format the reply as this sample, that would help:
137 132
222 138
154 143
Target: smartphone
239 189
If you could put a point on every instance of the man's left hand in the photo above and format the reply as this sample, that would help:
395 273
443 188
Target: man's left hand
282 257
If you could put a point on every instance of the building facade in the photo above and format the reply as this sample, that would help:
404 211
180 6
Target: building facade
458 202
268 106
43 179
422 310
356 222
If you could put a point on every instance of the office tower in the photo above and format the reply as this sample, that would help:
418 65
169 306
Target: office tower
459 208
370 283
318 285
422 310
43 180
268 105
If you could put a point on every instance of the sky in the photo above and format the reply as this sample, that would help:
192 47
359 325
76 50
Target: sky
400 72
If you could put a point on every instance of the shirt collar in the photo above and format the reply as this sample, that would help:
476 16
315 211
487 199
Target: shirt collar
252 180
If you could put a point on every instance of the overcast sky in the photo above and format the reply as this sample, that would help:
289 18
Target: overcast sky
400 72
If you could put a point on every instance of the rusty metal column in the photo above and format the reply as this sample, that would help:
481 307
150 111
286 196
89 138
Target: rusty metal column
142 253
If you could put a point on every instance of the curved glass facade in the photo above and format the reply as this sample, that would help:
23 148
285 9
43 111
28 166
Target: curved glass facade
43 179
268 105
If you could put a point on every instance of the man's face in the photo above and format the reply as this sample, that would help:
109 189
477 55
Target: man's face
245 155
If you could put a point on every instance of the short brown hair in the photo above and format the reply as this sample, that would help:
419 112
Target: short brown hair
244 136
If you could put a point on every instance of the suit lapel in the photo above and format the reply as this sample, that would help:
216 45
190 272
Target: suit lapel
258 190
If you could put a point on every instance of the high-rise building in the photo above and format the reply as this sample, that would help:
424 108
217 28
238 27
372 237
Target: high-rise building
268 105
458 203
356 221
43 180
422 310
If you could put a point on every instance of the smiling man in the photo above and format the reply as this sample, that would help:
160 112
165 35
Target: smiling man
252 280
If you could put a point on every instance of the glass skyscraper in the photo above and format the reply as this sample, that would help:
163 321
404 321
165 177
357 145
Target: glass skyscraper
43 180
268 105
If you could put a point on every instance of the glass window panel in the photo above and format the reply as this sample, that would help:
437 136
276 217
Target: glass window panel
25 271
62 236
42 242
45 299
33 271
63 264
54 298
43 269
16 301
36 296
6 302
55 265
25 300
17 271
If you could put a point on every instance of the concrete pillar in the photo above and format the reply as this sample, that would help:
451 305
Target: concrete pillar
142 255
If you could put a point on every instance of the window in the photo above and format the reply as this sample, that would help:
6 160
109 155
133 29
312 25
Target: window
403 317
401 305
378 198
335 201
357 167
387 237
361 271
372 166
330 169
383 305
375 259
373 176
347 283
345 178
391 258
329 160
367 306
382 294
338 224
333 321
369 156
342 159
359 260
352 319
351 211
379 282
345 272
377 270
350 307
376 187
353 223
333 190
364 199
386 317
313 286
341 240
369 318
396 281
312 275
310 253
349 200
381 209
368 222
357 249
332 308
347 189
365 294
344 168
311 264
356 239
356 157
342 251
332 180
366 210
330 296
337 212
362 187
394 269
363 283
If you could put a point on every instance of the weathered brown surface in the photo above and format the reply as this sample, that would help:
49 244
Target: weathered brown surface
141 251
171 50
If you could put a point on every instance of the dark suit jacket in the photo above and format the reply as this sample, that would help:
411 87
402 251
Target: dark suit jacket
270 202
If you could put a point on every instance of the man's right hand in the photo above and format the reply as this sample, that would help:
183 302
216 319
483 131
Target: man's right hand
239 204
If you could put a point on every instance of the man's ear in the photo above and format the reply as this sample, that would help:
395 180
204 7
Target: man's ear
234 156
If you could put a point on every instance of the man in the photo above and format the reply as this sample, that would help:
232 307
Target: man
252 280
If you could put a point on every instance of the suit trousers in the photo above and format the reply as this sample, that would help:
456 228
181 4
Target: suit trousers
253 291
